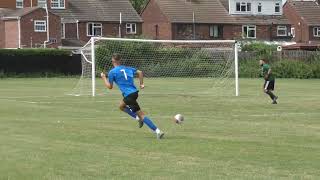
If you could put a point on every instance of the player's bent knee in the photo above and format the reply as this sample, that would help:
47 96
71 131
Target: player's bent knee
140 114
121 108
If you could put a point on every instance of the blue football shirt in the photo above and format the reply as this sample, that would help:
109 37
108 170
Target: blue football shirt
123 76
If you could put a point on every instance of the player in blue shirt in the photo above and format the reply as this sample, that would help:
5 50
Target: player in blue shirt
124 76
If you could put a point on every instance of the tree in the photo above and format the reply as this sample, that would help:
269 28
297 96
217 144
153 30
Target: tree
138 4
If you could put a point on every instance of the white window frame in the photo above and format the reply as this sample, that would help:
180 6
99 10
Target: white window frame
316 31
59 4
42 2
94 25
277 4
244 4
293 32
63 30
214 31
43 23
249 27
129 27
19 3
282 28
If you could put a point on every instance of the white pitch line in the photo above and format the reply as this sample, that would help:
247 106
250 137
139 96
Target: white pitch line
282 114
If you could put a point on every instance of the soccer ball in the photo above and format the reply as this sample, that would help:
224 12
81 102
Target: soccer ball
178 118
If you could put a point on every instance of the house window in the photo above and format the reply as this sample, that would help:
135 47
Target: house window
243 7
277 8
131 28
281 30
40 26
19 3
42 3
248 6
94 29
238 6
316 31
57 4
249 31
63 30
259 7
215 31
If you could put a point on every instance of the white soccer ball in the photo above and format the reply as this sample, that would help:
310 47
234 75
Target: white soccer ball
178 118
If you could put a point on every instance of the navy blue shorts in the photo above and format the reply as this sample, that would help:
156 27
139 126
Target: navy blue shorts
131 101
269 85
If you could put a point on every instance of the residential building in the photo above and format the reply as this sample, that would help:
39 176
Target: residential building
23 23
24 27
305 19
215 19
81 20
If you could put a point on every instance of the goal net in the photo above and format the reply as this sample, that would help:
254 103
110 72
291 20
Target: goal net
170 67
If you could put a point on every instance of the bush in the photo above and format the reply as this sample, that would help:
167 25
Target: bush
261 49
38 63
34 52
282 69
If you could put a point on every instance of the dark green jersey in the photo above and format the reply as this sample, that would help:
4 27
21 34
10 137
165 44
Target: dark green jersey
265 69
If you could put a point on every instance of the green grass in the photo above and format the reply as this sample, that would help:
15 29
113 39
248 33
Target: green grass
45 134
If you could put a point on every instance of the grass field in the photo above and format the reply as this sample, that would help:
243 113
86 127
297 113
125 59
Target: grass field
45 134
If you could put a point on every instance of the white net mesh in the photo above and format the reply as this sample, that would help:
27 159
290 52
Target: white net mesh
170 67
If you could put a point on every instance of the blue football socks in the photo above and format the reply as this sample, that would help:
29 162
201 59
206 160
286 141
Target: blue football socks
149 123
128 111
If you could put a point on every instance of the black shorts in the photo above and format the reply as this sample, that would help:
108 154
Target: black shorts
131 101
269 85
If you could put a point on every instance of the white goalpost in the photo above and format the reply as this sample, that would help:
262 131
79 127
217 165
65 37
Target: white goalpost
208 67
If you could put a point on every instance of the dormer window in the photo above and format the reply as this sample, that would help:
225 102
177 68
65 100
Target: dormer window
19 3
277 8
58 4
243 7
259 7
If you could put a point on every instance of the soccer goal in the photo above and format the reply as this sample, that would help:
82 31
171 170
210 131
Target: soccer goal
208 67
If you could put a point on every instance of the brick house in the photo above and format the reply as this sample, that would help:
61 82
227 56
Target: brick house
305 18
71 22
81 20
215 19
25 27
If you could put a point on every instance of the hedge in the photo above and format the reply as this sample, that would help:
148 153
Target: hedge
35 52
282 69
285 68
38 63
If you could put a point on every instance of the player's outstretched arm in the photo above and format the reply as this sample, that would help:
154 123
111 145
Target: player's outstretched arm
105 81
140 76
268 74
